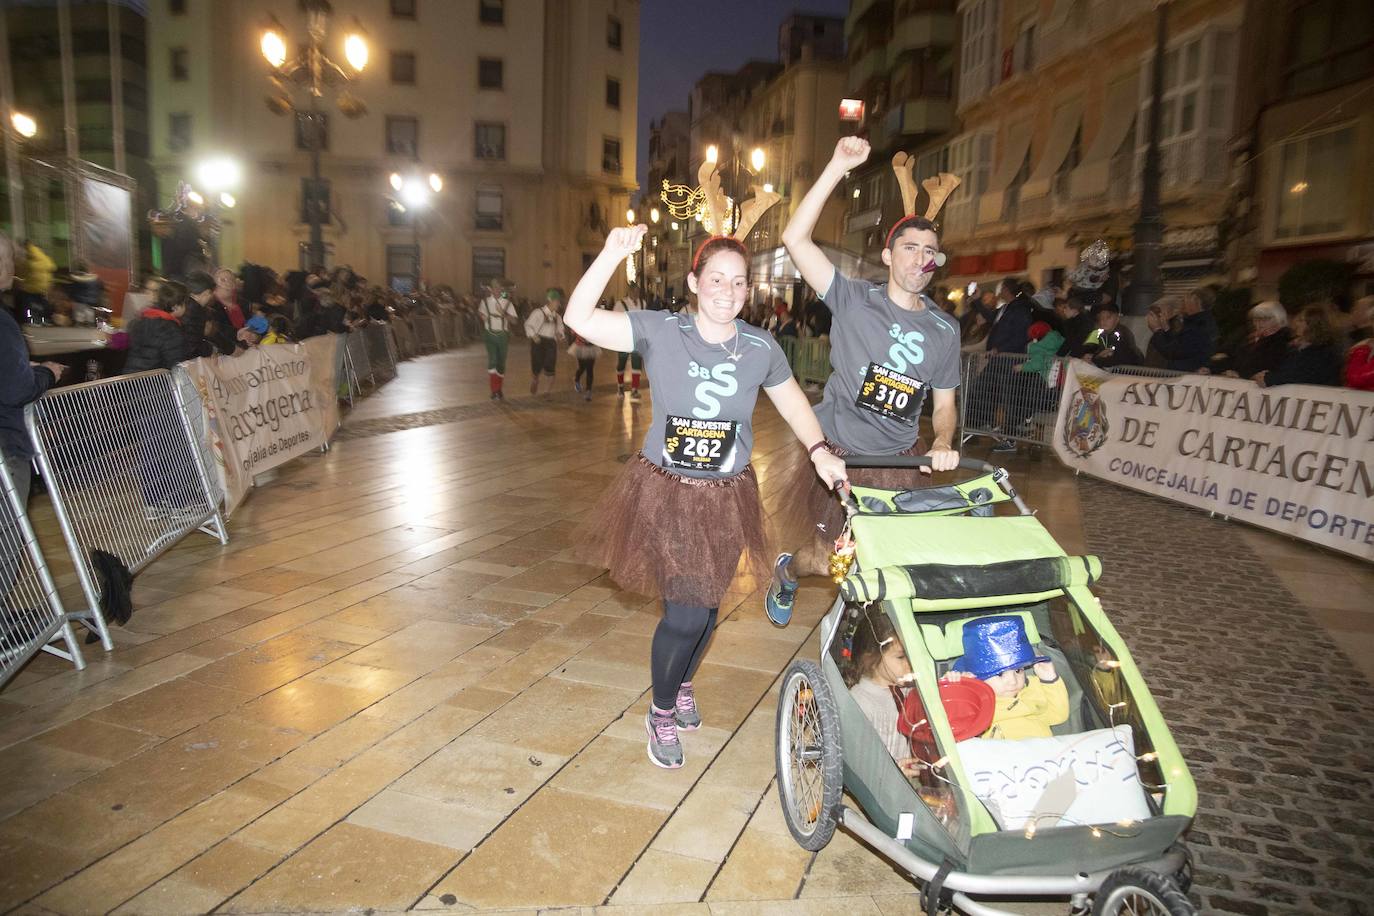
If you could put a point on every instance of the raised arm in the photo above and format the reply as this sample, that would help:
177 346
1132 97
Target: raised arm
611 330
815 267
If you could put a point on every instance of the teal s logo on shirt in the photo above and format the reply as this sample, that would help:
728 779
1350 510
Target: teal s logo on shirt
719 380
907 350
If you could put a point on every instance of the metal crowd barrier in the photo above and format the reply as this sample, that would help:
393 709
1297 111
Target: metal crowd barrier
404 333
379 354
427 338
195 416
31 614
124 474
1148 371
358 366
1000 400
450 328
809 358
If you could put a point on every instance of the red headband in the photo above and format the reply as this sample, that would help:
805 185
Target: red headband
897 225
716 238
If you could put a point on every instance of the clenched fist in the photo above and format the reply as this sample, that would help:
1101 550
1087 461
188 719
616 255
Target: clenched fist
625 240
851 152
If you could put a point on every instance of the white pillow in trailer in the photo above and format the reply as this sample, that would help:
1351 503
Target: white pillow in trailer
1067 780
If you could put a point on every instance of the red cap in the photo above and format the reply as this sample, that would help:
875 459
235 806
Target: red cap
1039 329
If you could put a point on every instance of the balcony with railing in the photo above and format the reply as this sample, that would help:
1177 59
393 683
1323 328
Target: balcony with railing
869 64
922 30
919 116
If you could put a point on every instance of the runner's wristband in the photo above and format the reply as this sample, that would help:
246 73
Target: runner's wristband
812 450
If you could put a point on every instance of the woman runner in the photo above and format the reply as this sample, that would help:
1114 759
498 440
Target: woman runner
686 508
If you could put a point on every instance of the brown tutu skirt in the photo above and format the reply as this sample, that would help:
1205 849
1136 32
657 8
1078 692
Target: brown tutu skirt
813 515
683 538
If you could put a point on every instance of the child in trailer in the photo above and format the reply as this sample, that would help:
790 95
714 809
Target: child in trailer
876 668
997 652
685 514
889 344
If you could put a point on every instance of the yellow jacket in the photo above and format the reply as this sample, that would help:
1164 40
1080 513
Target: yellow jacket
38 268
1032 711
272 337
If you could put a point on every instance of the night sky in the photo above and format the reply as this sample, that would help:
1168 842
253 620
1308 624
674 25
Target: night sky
680 41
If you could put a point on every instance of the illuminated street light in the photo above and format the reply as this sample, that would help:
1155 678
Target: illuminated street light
630 217
195 198
856 193
396 181
415 194
757 158
24 125
653 214
227 200
435 182
274 45
768 189
675 227
712 153
355 49
218 174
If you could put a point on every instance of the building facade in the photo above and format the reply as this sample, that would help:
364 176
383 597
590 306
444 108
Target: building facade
787 110
109 128
901 57
525 109
1305 138
1053 102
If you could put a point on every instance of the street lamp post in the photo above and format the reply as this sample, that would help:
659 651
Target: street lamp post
1147 282
315 70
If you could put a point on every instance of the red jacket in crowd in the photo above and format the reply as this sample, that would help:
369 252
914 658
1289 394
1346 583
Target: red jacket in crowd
1359 367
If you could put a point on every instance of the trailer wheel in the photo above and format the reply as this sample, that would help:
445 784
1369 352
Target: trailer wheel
810 771
1136 892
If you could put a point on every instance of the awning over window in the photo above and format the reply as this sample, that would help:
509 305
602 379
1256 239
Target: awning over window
1067 118
1092 176
1014 154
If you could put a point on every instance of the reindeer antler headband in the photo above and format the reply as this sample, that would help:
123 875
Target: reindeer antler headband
718 206
938 189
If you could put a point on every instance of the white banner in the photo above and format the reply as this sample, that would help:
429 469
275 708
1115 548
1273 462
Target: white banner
265 406
1295 458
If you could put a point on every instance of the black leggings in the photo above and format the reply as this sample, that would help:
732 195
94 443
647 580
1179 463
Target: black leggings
679 642
585 367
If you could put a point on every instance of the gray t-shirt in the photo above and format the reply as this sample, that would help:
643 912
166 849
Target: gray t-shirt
882 358
703 398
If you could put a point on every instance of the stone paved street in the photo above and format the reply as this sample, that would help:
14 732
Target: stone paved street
394 689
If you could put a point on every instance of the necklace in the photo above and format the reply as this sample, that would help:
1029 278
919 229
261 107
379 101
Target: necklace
732 352
735 353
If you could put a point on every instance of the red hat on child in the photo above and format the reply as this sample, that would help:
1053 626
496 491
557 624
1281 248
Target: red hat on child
1039 329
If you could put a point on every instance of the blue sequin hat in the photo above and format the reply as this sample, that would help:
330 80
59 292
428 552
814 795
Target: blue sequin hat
996 644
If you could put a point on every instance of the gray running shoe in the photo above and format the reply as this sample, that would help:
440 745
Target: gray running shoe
664 749
686 714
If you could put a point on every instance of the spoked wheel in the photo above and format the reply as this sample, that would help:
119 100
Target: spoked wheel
810 776
1136 892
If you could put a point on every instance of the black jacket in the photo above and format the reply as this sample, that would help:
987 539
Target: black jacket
20 383
1076 331
155 342
1308 366
1248 358
222 335
1010 332
193 339
1189 348
1122 344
